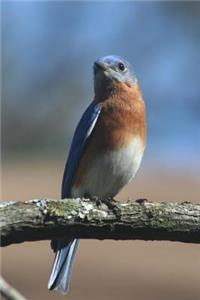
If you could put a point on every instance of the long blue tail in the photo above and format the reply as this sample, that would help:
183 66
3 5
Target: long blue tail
62 266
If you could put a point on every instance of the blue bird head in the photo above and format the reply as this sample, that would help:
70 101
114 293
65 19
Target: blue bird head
113 68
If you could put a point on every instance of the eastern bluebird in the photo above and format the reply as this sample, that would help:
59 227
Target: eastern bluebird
106 149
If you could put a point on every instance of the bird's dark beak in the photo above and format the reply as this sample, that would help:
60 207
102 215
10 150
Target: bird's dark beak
100 66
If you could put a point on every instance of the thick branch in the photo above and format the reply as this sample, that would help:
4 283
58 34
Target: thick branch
44 219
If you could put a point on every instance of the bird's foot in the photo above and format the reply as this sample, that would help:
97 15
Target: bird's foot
110 202
95 199
113 205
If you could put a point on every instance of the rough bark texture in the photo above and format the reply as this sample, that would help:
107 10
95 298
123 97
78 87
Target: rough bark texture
44 219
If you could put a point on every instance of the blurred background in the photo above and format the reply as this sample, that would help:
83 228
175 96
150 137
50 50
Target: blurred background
48 49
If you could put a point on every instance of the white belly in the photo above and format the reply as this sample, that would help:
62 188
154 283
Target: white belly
111 171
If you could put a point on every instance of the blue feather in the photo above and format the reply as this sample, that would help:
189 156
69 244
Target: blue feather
65 249
80 138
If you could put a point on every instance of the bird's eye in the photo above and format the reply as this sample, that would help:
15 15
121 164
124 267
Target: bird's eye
121 66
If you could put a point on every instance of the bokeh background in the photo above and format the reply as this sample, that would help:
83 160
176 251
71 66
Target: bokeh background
48 49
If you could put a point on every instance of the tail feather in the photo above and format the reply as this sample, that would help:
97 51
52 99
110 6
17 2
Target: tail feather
62 266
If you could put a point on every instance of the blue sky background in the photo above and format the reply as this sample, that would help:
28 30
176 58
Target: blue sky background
47 81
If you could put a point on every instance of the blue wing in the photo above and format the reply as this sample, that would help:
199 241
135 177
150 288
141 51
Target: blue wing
66 249
79 141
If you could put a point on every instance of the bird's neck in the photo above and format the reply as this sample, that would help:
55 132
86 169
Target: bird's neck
104 90
116 90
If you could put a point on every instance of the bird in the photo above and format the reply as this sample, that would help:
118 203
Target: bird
106 149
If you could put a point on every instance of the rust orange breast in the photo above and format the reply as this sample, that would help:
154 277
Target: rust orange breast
121 119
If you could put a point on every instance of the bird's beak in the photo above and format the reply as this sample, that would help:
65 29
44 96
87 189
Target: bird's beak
100 66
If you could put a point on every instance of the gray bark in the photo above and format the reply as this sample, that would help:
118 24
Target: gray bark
44 219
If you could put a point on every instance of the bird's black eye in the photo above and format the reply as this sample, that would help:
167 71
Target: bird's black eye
121 66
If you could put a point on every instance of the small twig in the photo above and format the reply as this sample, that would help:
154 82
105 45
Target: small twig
8 292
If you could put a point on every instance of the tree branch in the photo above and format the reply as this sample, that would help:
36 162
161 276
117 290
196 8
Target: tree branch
44 219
